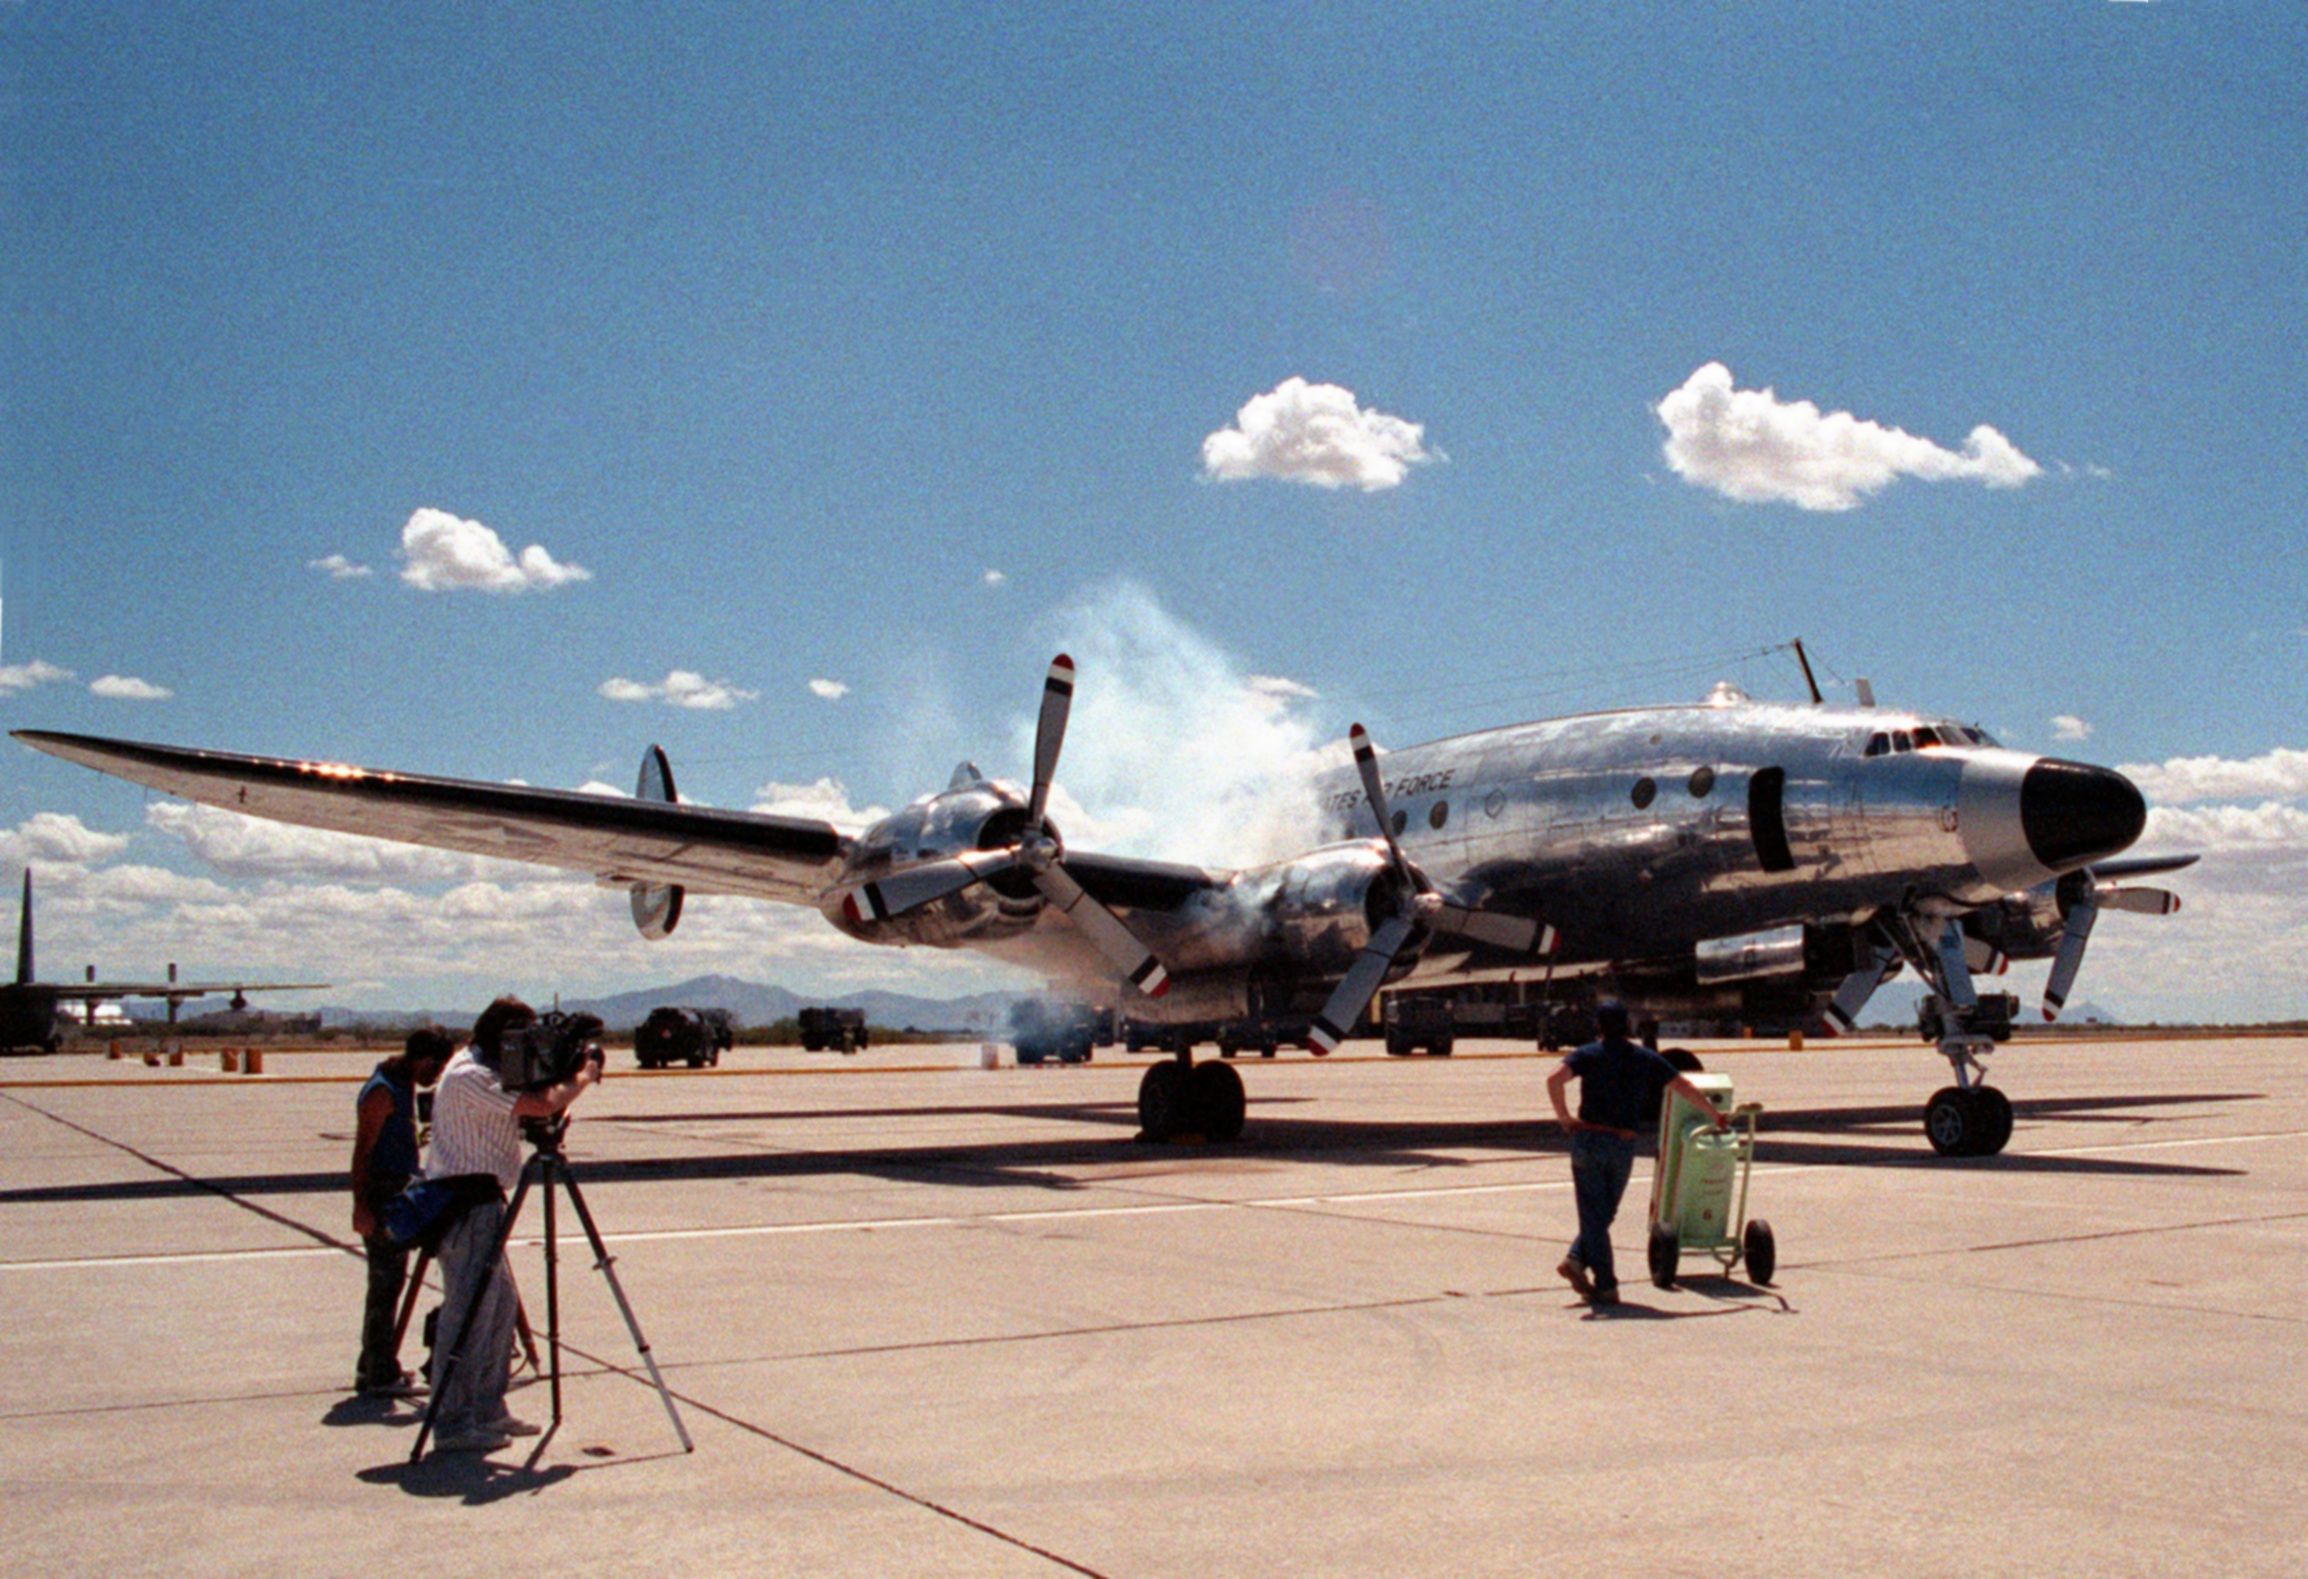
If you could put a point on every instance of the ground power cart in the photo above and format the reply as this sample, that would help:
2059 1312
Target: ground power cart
1699 1190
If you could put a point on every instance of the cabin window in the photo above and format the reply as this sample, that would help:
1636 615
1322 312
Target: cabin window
1401 821
1702 780
1643 793
1494 803
1439 814
1878 743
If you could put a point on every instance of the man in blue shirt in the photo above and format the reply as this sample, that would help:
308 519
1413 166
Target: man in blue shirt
385 1160
1620 1084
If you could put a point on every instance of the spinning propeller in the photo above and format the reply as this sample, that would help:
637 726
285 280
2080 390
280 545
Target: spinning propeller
2083 895
1037 853
1420 906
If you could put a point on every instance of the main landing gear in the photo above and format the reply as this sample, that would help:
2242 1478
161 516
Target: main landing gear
1179 1097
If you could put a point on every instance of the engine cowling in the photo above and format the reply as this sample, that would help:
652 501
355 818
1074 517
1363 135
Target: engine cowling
1304 917
981 814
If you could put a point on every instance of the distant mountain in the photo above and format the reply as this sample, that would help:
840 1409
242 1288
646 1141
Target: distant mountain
1895 1005
754 1003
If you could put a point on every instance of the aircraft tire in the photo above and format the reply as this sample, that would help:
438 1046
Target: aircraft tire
1215 1094
1162 1101
1665 1251
1761 1250
1995 1120
1953 1122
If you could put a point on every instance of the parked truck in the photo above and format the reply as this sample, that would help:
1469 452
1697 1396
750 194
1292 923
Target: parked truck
827 1030
695 1037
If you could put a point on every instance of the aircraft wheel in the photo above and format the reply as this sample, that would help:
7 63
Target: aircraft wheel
1685 1061
1994 1110
1761 1249
1666 1249
1216 1095
1953 1121
1162 1100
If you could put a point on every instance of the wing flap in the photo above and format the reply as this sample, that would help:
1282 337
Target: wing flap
617 840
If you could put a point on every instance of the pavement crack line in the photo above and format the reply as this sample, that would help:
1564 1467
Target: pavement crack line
328 1240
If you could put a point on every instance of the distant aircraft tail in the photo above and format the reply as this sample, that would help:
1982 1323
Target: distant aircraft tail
24 935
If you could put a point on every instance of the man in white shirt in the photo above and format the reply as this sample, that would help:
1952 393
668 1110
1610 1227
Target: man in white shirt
477 1131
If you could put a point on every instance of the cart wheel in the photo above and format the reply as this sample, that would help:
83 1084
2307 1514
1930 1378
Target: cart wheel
1666 1250
1762 1250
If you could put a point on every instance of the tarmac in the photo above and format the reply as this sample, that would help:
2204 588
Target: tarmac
925 1317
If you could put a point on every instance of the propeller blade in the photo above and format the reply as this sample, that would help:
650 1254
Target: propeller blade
916 886
1106 930
2077 931
1360 984
1366 763
2139 901
1498 930
1050 735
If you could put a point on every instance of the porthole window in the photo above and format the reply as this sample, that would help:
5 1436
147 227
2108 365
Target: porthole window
1401 821
1494 803
1644 793
1702 780
1439 814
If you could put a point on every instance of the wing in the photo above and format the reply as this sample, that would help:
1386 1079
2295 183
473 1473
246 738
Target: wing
619 841
106 991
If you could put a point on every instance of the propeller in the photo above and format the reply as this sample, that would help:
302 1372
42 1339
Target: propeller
1037 853
1421 907
2082 896
1879 962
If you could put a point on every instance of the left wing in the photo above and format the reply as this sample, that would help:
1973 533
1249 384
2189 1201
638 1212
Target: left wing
619 841
106 991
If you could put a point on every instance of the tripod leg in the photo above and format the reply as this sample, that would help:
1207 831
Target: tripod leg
453 1334
607 1265
553 1285
409 1298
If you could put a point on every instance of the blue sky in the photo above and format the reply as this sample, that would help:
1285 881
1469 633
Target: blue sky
788 327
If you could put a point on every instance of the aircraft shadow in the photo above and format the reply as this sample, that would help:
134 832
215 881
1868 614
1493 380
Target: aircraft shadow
1887 1136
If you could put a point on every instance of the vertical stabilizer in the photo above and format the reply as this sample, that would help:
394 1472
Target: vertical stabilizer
24 935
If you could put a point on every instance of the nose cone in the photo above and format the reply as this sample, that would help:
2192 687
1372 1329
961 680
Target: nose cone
2074 813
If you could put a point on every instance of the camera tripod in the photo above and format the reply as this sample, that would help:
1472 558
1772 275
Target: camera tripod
547 1165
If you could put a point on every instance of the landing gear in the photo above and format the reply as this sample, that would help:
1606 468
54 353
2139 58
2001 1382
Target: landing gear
1178 1097
1974 1122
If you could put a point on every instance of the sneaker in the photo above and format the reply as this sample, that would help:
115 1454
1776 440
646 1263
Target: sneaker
1574 1272
479 1440
514 1425
407 1385
1605 1294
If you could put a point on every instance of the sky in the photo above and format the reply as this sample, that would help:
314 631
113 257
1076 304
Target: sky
493 391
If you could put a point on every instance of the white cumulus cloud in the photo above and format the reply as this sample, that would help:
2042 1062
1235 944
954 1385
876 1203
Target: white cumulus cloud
441 553
57 838
2067 726
1317 434
2278 774
24 676
994 578
1749 445
826 799
679 688
831 690
128 688
337 567
239 846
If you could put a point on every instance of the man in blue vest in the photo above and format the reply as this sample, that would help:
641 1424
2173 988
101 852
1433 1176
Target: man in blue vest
1620 1083
384 1160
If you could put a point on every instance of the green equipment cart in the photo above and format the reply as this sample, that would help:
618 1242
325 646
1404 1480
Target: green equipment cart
1699 1190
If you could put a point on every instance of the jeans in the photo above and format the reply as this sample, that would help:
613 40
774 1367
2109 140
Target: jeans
475 1396
1600 1166
380 1364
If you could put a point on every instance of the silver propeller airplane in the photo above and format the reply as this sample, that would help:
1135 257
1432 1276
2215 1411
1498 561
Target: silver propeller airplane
1728 857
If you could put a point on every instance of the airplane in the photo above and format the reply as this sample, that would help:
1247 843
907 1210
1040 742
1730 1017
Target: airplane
30 1011
1731 855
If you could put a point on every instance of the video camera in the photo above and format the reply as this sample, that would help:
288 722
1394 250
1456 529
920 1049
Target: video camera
548 1050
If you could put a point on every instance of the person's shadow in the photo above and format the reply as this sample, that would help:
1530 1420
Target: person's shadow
469 1477
1727 1296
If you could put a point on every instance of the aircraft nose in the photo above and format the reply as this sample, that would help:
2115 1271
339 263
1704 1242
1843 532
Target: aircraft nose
2074 813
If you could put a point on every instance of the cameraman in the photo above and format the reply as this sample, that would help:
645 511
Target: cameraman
477 1131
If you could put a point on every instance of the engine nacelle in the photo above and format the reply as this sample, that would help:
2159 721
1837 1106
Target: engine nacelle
974 814
1307 917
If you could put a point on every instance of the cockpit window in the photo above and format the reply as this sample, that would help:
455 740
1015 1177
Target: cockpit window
1925 735
1902 741
1878 743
